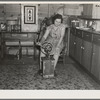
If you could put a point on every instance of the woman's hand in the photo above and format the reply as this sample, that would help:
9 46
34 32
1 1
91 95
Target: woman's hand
38 43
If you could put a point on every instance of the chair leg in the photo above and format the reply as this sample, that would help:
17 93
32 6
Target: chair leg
34 51
64 60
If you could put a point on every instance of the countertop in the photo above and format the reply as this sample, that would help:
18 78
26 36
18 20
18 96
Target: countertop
89 30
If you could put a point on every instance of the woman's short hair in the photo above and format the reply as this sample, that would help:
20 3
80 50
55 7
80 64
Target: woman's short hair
57 16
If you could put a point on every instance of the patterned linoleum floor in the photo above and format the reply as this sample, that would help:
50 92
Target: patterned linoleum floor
22 75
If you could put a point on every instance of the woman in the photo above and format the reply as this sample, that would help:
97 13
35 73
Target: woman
54 34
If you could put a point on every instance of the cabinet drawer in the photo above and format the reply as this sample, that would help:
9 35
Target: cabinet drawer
87 36
96 39
79 33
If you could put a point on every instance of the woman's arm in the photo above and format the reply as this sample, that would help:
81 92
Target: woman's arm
45 35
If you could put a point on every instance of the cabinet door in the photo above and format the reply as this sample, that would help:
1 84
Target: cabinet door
0 47
87 10
78 49
86 55
72 45
95 68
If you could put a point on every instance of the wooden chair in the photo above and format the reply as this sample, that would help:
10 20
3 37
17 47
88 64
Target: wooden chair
63 54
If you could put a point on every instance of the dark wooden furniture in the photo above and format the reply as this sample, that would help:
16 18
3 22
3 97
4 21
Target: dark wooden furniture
84 48
17 40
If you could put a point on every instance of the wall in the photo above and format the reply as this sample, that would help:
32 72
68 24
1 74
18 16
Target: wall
43 10
47 10
9 11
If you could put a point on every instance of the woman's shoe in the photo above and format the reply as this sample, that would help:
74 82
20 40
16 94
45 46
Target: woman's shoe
40 72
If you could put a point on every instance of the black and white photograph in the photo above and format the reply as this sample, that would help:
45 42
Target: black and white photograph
49 46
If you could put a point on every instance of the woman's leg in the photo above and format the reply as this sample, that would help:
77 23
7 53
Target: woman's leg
56 57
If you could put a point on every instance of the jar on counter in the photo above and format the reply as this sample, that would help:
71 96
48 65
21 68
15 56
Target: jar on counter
94 25
85 24
75 23
81 23
9 28
3 26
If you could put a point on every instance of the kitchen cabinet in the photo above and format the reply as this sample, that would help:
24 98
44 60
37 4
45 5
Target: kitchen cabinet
0 46
86 50
81 48
91 11
72 42
95 68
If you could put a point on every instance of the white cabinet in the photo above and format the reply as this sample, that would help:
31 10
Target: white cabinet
91 11
73 9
